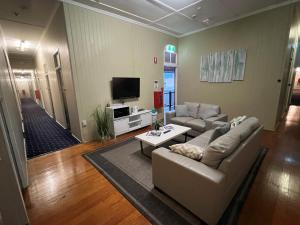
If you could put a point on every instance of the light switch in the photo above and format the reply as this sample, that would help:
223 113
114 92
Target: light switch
84 123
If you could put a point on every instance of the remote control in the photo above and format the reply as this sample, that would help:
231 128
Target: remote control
166 131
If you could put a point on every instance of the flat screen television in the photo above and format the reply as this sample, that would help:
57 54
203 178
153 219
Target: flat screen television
125 87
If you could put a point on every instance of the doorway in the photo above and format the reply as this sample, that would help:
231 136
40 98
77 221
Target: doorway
295 98
50 95
169 88
62 88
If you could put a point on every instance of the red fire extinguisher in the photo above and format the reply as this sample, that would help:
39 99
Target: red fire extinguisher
158 99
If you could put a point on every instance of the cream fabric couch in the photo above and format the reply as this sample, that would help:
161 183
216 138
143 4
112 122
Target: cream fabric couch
200 118
204 190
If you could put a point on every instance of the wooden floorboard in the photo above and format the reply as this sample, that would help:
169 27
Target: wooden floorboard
66 189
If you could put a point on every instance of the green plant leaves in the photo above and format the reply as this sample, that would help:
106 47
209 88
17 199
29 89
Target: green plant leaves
103 122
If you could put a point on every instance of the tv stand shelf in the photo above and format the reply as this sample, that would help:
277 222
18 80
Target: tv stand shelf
129 122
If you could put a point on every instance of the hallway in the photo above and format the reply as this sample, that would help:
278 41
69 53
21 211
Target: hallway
42 133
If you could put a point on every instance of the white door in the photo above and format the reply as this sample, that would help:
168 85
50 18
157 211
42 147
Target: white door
12 207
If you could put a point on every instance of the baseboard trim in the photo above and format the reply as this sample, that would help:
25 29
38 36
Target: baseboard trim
76 137
60 124
48 113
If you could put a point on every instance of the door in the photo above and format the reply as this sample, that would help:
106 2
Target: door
10 192
11 115
169 88
62 88
50 96
30 86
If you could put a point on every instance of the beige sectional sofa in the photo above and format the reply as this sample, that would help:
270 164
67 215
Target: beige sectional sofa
200 117
206 187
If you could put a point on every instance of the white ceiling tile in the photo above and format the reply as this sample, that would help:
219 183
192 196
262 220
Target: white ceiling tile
245 7
212 9
34 12
178 4
180 23
15 32
147 9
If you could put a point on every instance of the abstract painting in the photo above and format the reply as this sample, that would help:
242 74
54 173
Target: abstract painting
221 67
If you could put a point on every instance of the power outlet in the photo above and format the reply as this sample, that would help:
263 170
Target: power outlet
84 123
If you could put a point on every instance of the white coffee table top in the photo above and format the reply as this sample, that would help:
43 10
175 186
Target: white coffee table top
158 140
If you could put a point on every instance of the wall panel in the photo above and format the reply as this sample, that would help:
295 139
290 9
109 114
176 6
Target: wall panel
265 36
55 39
102 47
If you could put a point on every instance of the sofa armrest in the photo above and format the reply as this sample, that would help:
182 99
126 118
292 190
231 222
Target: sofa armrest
210 122
169 116
191 183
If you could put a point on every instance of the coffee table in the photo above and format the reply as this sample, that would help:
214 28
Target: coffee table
157 141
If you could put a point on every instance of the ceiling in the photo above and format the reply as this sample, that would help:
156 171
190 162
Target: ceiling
24 20
180 17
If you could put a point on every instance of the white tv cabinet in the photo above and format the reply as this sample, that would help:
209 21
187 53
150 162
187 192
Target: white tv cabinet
127 123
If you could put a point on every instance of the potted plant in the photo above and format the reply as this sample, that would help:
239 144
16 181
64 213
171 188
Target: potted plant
157 124
103 123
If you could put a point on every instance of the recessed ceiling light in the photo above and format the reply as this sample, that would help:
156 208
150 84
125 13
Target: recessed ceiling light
194 16
23 45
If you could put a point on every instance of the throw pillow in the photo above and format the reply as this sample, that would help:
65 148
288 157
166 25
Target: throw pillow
206 111
188 150
237 120
193 109
219 131
181 111
219 149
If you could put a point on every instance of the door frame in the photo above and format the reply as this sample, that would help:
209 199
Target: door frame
175 82
50 95
61 87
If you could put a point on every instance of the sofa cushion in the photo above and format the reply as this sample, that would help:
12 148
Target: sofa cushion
206 111
245 129
202 140
220 149
188 150
193 109
196 124
182 111
180 120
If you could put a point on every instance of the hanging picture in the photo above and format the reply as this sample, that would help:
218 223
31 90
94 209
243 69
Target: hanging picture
239 64
211 67
223 66
218 66
204 68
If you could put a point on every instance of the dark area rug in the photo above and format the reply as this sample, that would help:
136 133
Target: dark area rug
42 133
130 172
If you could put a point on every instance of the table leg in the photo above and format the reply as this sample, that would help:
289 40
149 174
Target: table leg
142 149
185 137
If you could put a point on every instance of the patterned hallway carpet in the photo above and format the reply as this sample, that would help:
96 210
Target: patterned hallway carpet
42 133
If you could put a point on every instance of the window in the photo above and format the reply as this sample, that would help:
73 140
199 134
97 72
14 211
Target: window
170 55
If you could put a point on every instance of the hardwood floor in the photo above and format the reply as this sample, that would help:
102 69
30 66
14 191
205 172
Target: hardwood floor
66 189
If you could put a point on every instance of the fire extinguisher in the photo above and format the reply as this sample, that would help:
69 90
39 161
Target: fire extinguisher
158 99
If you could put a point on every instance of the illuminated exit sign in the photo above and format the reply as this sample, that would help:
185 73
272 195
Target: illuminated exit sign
170 48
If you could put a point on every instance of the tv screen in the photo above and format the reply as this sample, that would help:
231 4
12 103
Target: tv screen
124 87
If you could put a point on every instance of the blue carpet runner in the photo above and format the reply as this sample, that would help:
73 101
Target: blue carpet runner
42 133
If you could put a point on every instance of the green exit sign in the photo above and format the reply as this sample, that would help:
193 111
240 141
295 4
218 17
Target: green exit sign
170 48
